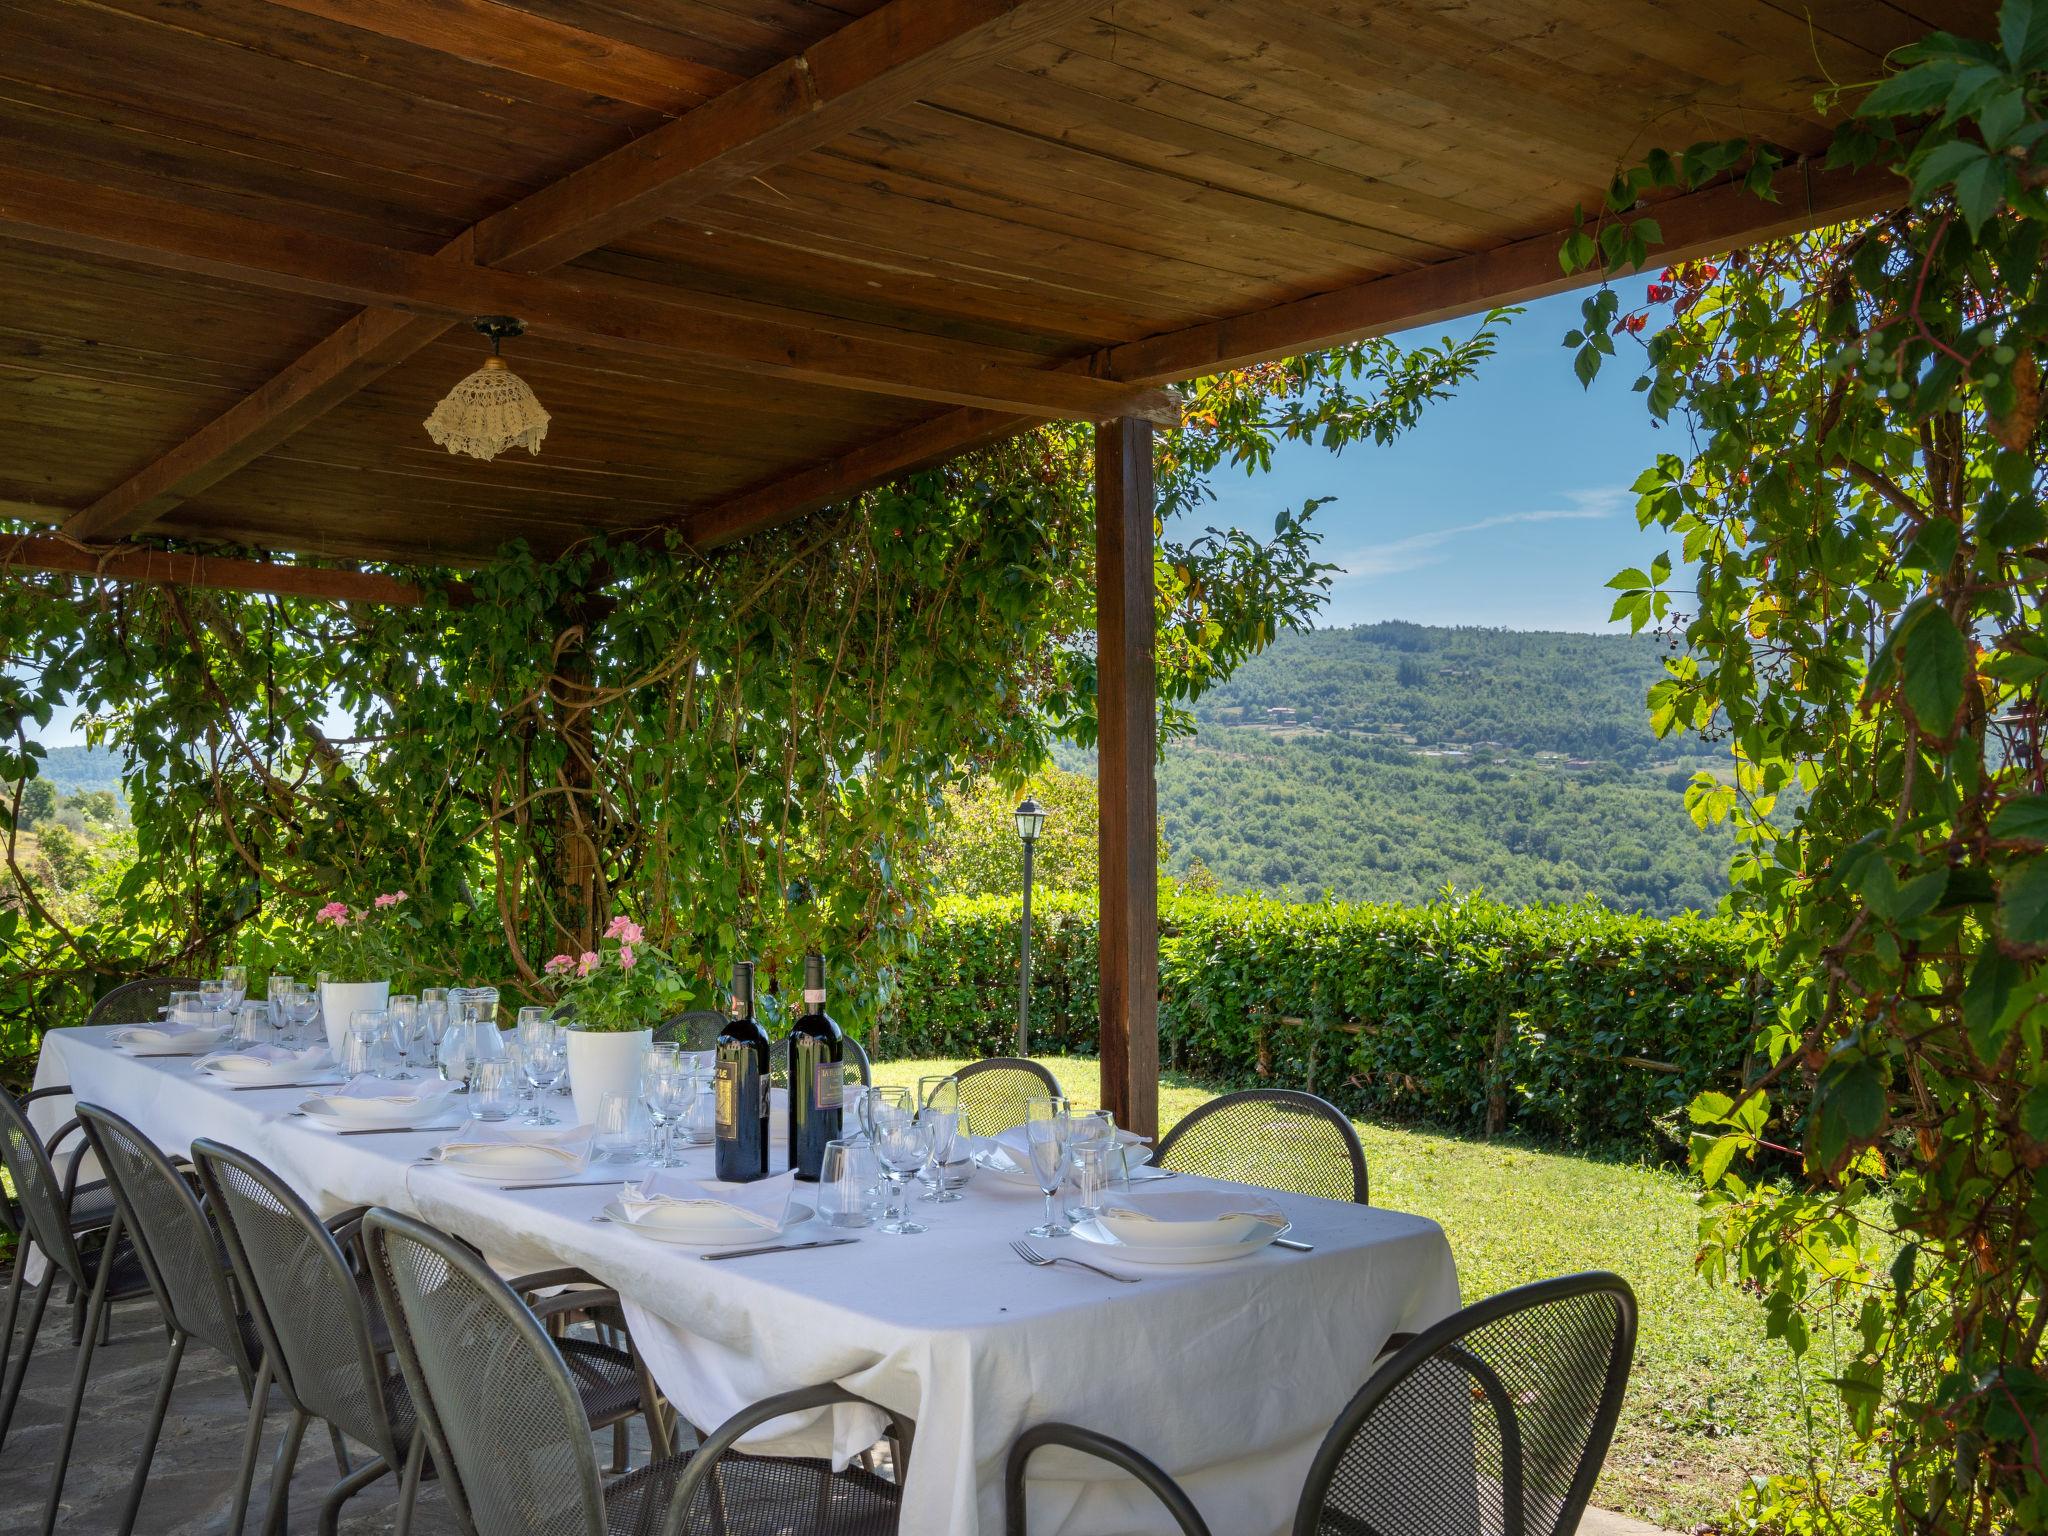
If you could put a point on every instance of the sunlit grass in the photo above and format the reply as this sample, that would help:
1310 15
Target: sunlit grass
1711 1403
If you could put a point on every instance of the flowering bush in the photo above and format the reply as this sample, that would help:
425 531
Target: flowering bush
359 943
625 983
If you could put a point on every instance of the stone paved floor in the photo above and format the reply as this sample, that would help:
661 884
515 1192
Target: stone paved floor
191 1485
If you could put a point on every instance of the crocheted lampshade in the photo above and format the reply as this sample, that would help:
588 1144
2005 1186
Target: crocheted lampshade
493 409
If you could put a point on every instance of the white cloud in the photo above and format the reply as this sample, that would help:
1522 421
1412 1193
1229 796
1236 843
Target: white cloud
1423 549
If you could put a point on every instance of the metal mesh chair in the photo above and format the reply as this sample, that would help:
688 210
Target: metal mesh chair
499 1408
93 1259
993 1091
139 1002
1275 1137
697 1030
318 1330
1492 1423
91 1204
187 1268
857 1058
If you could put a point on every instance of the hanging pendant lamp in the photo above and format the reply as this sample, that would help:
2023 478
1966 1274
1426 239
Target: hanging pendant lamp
493 409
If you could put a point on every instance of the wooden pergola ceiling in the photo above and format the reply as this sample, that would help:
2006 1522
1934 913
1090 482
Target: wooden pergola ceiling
773 251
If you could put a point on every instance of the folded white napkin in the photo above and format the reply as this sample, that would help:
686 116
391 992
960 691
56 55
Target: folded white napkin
193 1015
166 1034
1185 1205
764 1202
385 1090
570 1144
261 1058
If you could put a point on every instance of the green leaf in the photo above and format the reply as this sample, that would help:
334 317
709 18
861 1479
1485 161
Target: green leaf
1710 1108
2034 1113
2023 902
1848 1110
1936 667
1713 1154
2022 820
2023 33
1986 1001
1911 92
1980 189
1942 164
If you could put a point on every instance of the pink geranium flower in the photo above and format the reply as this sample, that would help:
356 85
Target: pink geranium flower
391 899
626 957
559 964
625 930
588 963
335 912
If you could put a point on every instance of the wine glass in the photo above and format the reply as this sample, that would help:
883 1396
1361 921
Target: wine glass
236 979
276 990
540 1052
302 1007
1047 1127
939 1098
213 997
902 1143
403 1011
666 1087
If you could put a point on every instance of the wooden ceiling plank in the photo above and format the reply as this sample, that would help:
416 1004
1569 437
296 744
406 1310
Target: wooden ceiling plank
536 47
136 227
1706 222
872 65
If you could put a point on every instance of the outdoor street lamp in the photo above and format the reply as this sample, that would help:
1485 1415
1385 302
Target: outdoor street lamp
1030 818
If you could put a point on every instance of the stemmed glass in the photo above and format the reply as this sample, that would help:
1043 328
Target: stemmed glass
302 1007
541 1051
665 1088
902 1143
1048 1125
213 997
940 1111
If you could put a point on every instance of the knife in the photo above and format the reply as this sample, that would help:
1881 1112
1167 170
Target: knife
570 1184
273 1087
1298 1247
742 1253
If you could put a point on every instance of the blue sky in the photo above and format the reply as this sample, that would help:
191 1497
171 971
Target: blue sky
1507 505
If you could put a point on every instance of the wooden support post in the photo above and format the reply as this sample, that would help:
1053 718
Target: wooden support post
1127 712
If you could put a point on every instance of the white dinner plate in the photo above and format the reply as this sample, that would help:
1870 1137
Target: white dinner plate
271 1072
1095 1234
435 1118
377 1113
188 1045
705 1234
512 1164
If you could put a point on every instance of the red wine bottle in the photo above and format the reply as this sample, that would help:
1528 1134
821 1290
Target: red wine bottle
741 1153
817 1076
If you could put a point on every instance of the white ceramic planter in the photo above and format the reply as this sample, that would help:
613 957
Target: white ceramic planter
339 1001
604 1061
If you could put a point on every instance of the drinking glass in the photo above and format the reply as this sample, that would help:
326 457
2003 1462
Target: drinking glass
541 1052
236 979
957 1167
253 1028
901 1144
490 1091
359 1048
276 990
1047 1125
1092 1162
185 1002
617 1138
302 1008
666 1089
403 1013
939 1101
846 1183
701 1118
213 997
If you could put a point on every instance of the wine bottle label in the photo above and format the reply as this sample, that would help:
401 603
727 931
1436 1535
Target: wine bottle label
728 1100
813 996
830 1089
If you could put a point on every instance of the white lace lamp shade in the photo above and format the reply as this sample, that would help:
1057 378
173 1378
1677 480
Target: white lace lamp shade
489 412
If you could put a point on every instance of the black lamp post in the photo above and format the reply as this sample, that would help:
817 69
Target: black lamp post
1030 818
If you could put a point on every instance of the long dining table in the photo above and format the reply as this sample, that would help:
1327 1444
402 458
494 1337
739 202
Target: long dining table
1227 1375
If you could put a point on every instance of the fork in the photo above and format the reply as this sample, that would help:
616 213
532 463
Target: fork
1031 1255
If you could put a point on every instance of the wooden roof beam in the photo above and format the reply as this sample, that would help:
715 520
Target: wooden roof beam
30 552
1703 223
623 316
867 69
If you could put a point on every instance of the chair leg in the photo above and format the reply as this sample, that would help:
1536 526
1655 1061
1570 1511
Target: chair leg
621 1447
342 1464
409 1490
14 1288
346 1489
89 1338
18 1366
252 1443
149 1436
279 1510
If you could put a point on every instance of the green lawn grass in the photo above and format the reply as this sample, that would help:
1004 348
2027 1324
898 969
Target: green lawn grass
1712 1402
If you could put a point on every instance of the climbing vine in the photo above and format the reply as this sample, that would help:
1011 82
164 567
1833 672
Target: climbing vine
1858 507
745 752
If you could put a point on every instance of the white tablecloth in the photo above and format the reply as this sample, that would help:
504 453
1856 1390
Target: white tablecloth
1227 1375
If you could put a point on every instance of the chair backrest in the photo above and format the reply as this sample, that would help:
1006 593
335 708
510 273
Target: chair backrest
1496 1419
310 1310
1276 1137
38 1192
993 1091
138 1002
500 1411
181 1253
857 1057
697 1030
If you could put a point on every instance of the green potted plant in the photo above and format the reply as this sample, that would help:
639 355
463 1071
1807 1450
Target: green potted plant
616 994
355 952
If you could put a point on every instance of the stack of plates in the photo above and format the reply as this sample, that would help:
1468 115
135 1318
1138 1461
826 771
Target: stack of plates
704 1224
257 1069
406 1105
170 1039
1187 1227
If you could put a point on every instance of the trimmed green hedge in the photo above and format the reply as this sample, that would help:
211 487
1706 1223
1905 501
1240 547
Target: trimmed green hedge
1573 1023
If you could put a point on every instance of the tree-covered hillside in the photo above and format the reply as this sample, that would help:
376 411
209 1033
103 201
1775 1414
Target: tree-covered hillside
1579 695
1388 761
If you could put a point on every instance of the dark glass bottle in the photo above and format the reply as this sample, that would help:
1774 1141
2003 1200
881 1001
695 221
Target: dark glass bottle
742 1086
817 1076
